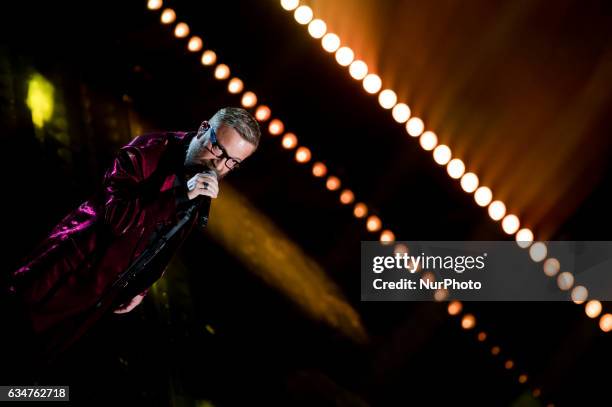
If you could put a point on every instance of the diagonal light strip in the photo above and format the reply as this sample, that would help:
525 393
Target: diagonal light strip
303 155
442 154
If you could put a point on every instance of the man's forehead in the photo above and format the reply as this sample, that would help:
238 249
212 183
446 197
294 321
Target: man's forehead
233 142
225 132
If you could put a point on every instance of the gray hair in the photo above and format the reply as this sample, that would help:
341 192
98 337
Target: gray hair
240 120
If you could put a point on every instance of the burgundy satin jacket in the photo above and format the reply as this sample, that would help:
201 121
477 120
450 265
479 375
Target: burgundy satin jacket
84 254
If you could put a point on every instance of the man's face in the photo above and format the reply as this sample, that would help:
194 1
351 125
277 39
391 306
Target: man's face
229 142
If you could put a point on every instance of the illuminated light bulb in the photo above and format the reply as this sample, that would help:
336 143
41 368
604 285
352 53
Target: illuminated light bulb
454 307
209 57
168 16
276 127
468 321
303 15
522 379
442 154
249 99
495 350
455 168
373 223
319 169
400 112
482 336
428 140
333 183
360 210
551 266
154 4
497 210
400 248
469 182
387 236
415 127
537 252
289 5
372 83
262 113
235 85
358 69
605 323
483 196
428 276
524 238
194 44
579 294
302 155
565 280
344 56
413 267
441 294
510 224
289 141
222 71
387 99
509 364
181 30
317 28
330 42
593 308
347 197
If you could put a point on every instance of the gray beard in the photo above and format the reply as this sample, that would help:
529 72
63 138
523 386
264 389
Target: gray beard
195 164
191 156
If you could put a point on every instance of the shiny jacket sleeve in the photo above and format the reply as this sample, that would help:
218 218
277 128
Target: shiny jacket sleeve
132 191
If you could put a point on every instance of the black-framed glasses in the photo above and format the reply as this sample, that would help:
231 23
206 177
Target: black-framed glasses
219 151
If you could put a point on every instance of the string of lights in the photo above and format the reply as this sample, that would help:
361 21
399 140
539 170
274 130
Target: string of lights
303 155
442 155
468 322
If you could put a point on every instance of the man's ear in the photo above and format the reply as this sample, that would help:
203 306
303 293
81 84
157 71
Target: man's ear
203 129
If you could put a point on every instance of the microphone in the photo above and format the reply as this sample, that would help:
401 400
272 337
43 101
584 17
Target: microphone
202 206
202 203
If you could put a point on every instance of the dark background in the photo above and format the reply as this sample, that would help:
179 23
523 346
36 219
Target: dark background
115 69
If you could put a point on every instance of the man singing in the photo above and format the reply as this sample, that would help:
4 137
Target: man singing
146 197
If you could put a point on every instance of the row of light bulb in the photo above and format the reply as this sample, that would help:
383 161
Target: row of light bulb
415 126
303 154
263 114
428 140
442 154
468 322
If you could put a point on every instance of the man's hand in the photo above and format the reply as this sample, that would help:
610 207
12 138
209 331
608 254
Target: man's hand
131 305
204 183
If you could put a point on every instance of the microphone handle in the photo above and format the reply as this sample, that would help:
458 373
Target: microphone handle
202 206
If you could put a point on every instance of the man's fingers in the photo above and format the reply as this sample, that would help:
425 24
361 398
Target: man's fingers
205 177
207 192
121 310
208 180
203 184
209 187
130 306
